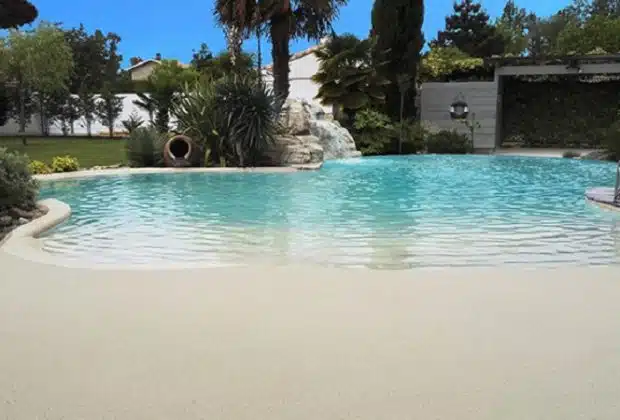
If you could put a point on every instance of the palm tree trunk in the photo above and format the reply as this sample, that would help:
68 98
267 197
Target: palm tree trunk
234 41
280 36
259 53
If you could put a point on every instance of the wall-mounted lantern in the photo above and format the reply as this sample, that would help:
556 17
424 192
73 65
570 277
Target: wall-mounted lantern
459 110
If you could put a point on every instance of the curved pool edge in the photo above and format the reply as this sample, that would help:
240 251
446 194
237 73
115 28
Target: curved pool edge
88 173
23 240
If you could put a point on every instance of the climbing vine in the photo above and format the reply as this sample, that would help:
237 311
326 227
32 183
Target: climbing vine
559 111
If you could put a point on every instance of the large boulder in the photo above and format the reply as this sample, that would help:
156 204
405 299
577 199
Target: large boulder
290 150
301 117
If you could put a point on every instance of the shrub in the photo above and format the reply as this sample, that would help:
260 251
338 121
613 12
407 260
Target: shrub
197 116
65 164
448 142
144 147
39 168
17 187
250 117
610 140
133 122
373 132
414 136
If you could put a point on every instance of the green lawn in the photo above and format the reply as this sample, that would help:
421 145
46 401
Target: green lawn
88 151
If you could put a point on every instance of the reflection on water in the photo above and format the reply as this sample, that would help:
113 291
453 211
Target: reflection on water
386 213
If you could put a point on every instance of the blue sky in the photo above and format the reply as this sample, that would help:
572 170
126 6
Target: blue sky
151 26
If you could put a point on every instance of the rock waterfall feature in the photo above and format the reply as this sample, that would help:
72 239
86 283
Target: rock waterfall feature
310 137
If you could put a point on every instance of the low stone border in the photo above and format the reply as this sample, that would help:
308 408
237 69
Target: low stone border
128 171
23 239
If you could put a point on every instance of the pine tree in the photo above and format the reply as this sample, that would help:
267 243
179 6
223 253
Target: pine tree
468 29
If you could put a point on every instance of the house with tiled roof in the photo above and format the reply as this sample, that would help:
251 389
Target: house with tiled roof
142 69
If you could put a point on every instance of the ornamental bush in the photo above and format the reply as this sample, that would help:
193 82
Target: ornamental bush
17 187
39 168
448 142
145 147
65 164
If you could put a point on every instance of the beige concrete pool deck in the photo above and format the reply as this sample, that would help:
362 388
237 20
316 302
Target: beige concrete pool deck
305 342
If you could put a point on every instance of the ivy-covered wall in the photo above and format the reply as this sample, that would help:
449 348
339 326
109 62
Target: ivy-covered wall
558 111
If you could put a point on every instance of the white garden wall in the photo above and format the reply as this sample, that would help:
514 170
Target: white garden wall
34 128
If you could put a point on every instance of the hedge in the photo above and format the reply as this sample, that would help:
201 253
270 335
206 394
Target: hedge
558 112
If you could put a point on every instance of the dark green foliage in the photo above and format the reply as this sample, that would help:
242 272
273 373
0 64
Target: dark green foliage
610 139
108 108
87 105
512 25
69 113
163 84
469 30
132 123
373 132
221 65
558 112
96 59
145 147
448 142
285 20
5 104
250 117
414 137
348 76
198 117
15 13
397 25
202 57
17 187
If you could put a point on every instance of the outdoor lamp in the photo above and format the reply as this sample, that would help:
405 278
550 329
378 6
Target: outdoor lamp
459 110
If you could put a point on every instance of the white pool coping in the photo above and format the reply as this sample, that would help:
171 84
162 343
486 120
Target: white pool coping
88 173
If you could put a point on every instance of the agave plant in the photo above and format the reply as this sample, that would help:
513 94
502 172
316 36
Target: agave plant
133 122
250 112
197 116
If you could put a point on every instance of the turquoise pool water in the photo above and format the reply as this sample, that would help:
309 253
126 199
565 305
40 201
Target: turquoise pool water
386 212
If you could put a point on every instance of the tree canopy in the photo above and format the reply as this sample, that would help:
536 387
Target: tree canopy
16 13
469 30
348 76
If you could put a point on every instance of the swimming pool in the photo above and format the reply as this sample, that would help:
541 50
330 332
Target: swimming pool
384 212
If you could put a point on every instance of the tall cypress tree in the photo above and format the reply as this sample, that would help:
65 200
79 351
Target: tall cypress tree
397 24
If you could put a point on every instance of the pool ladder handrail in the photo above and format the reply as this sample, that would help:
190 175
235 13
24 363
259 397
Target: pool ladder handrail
617 187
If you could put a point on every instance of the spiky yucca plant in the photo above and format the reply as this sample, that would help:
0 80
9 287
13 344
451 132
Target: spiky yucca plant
250 116
145 147
197 116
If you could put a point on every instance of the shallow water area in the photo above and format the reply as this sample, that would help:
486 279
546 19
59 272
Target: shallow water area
384 213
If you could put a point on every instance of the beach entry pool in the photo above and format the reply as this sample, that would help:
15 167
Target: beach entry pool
384 213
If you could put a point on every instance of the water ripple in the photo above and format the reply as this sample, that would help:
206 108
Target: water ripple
387 213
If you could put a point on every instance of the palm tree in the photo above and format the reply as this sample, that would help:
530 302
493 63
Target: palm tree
286 19
349 74
295 19
237 19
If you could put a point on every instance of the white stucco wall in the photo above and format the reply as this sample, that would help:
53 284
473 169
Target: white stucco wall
302 87
34 128
300 78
